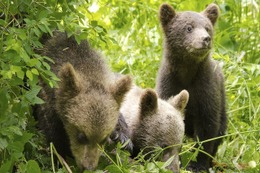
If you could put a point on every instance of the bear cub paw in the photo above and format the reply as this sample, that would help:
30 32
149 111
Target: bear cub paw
121 134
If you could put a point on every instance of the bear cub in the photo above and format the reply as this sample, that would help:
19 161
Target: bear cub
81 114
153 122
187 64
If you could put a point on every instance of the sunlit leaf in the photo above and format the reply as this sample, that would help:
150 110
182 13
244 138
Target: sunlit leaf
29 75
32 166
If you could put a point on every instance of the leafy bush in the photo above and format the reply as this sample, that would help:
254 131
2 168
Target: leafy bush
129 34
22 25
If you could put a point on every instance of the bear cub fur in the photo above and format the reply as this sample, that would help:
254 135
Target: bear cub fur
153 122
83 111
187 64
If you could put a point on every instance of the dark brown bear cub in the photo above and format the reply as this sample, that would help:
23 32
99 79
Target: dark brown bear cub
83 111
187 64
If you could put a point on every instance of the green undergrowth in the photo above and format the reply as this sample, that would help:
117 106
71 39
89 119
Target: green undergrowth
129 36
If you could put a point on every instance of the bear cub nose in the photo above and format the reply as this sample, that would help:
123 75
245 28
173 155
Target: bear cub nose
206 41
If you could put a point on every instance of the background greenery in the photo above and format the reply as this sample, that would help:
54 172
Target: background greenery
129 35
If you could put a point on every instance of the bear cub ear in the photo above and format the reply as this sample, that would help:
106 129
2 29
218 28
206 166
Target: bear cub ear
149 102
121 87
167 13
212 13
70 85
180 100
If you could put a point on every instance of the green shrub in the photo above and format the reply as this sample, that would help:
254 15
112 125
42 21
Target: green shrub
128 33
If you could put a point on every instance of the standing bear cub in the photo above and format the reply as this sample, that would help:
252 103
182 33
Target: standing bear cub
83 111
187 64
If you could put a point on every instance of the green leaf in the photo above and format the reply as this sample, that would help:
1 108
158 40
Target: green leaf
35 71
7 74
33 166
29 75
2 22
46 58
24 55
46 65
20 74
6 166
22 34
151 167
37 32
18 70
33 92
15 130
3 144
113 168
32 95
43 14
12 55
94 23
17 147
169 161
37 100
28 21
33 62
14 45
42 28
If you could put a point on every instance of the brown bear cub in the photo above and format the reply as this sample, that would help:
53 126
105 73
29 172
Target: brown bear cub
187 64
83 111
153 122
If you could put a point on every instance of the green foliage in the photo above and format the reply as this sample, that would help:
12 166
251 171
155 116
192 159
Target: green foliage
238 27
22 23
129 34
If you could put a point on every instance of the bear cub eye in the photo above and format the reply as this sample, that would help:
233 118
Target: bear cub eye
81 137
189 28
207 29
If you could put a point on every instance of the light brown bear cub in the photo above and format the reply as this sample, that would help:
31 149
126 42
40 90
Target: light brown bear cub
187 64
82 112
153 122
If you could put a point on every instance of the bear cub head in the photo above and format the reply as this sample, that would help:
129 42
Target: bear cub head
89 111
189 33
